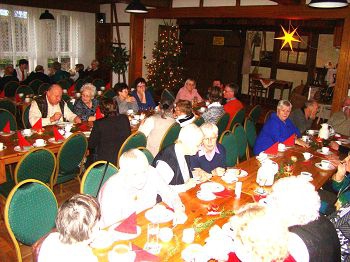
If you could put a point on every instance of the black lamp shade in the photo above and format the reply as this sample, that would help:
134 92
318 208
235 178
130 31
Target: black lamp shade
136 7
46 16
328 3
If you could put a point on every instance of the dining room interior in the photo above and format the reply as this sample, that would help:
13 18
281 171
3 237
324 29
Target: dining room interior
235 41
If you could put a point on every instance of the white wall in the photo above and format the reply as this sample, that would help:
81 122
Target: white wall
326 52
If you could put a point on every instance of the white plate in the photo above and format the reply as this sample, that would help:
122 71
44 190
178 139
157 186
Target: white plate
212 187
229 179
320 167
3 148
260 193
31 133
263 201
53 141
228 229
208 196
191 252
307 178
7 134
19 149
320 151
164 216
87 134
35 145
116 235
62 124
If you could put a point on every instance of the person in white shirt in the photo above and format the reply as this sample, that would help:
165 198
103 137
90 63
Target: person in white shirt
173 162
134 189
77 225
51 108
183 113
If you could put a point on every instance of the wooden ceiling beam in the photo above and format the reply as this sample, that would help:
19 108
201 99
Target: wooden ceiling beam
149 3
287 2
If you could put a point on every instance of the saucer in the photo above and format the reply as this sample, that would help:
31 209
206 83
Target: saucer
19 149
31 133
3 148
212 187
53 141
191 252
262 193
35 145
326 154
62 124
7 134
209 196
320 167
164 216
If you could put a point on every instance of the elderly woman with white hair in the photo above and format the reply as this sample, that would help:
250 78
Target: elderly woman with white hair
134 189
85 107
211 156
278 129
296 203
173 162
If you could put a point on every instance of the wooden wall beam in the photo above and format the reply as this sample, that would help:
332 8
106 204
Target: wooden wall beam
343 75
136 47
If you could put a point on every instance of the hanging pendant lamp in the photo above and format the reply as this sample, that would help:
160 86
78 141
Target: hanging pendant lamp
136 7
46 16
328 3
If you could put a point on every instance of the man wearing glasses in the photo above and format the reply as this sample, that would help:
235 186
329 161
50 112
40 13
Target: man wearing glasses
340 121
233 105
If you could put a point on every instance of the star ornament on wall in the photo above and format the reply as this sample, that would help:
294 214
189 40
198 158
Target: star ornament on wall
288 38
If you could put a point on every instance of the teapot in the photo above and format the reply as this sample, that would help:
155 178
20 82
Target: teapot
325 131
266 173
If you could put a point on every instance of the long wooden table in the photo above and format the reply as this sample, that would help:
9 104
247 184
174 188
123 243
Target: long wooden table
198 209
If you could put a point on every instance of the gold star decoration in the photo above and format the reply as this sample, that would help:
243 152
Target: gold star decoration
288 38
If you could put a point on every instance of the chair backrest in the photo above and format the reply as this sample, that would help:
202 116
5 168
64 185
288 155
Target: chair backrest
133 141
255 113
66 98
26 90
64 83
88 79
35 85
170 136
8 105
268 114
222 123
25 117
91 180
10 88
43 88
250 131
30 213
98 83
110 93
78 84
71 155
229 142
242 142
237 118
147 153
199 121
39 164
7 116
167 94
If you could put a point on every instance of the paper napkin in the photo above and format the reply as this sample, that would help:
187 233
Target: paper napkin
224 193
128 225
22 142
143 255
290 140
70 90
38 125
7 128
57 135
2 94
272 150
98 113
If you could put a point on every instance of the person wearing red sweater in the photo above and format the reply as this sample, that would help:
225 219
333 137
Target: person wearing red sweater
233 105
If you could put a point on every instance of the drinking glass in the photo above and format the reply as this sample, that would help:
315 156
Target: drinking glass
152 244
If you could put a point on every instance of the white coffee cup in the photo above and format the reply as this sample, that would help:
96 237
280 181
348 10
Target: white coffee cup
102 88
1 146
39 142
202 109
27 132
326 164
20 95
121 253
305 138
137 117
166 234
134 122
77 94
310 132
281 147
99 92
325 150
130 111
307 155
27 100
64 91
188 235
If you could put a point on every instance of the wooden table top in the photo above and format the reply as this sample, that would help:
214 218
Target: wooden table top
198 209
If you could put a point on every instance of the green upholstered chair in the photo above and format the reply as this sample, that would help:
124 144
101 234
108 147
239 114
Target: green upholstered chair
10 88
38 163
199 121
88 79
133 141
91 180
147 153
8 105
98 83
242 142
229 142
64 83
43 88
35 85
26 90
110 93
268 114
69 159
237 118
168 95
25 117
78 84
255 113
70 105
250 131
170 136
222 123
7 116
30 213
65 97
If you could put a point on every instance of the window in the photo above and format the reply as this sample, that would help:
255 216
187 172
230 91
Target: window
299 54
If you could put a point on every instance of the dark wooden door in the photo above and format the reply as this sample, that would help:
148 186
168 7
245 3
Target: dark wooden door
210 54
103 45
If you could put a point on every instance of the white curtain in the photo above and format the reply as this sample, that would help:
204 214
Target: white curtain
70 38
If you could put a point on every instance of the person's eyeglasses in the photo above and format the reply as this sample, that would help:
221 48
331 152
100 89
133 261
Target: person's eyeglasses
210 139
227 91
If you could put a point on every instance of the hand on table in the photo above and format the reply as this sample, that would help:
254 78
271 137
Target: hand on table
91 118
219 171
302 143
200 175
77 120
190 184
56 117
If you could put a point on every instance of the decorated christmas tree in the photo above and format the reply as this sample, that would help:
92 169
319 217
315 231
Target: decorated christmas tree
164 70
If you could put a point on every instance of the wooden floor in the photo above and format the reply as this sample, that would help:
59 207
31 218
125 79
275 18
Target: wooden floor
7 250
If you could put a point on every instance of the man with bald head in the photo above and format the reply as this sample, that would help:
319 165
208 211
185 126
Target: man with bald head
51 108
340 121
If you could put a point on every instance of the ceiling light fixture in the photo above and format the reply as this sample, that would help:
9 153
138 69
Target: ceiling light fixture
46 16
136 7
328 3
